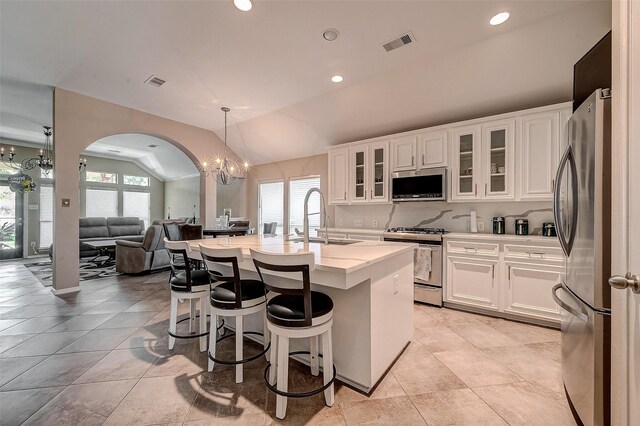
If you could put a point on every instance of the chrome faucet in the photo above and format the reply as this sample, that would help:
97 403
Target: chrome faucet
306 215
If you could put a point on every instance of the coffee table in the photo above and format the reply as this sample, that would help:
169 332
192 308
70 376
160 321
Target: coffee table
106 250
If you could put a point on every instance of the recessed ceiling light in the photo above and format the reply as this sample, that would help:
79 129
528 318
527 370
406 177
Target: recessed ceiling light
330 34
500 18
337 79
243 5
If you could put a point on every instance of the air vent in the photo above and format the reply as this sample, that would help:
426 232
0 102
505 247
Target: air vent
114 150
152 146
398 42
155 81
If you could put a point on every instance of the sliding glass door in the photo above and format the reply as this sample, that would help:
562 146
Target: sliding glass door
11 213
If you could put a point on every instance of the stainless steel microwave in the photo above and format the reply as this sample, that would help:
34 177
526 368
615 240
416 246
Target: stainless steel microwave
420 185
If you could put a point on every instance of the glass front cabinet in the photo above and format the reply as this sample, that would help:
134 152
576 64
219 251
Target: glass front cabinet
369 173
483 161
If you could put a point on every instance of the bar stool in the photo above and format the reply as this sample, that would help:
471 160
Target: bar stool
295 313
187 284
232 296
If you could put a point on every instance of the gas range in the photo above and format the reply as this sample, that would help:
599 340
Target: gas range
414 234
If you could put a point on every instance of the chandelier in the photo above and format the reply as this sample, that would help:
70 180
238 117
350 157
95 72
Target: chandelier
44 160
225 170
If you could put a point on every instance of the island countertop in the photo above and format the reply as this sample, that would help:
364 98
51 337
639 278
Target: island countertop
345 259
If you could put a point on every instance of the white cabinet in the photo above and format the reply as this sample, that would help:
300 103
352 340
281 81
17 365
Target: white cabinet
432 149
338 176
472 281
528 290
510 279
403 153
538 155
369 173
484 161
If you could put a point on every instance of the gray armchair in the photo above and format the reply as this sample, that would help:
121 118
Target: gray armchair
134 258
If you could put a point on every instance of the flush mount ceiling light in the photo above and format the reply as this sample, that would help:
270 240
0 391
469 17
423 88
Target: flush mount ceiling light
500 18
337 79
243 5
224 169
330 34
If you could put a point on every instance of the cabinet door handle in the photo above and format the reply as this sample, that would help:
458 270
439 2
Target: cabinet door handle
553 184
365 194
412 160
423 159
371 194
345 195
485 189
493 274
509 275
475 189
471 249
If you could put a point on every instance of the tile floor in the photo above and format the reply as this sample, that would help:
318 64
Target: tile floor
100 357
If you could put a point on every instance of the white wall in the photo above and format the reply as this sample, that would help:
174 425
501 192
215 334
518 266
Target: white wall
182 197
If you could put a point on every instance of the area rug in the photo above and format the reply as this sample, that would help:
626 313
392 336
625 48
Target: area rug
88 271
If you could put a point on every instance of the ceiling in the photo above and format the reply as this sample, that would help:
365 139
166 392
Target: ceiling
272 67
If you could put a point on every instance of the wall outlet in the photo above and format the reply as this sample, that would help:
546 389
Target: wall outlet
374 222
358 222
340 222
480 226
396 283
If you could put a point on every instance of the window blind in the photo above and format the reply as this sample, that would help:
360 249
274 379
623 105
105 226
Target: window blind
136 204
101 203
271 205
297 191
46 216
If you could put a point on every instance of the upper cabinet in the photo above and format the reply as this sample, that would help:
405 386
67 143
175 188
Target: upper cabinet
539 152
404 153
338 176
484 166
420 151
433 149
368 174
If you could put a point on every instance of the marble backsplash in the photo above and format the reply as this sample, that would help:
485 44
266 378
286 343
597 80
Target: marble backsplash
454 217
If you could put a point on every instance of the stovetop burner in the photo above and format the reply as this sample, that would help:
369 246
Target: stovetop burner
409 230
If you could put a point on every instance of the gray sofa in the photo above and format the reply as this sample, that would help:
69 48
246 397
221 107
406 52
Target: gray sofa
107 228
137 257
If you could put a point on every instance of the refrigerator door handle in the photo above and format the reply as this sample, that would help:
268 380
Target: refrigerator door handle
573 311
556 202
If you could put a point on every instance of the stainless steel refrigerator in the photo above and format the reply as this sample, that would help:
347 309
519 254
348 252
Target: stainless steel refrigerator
582 203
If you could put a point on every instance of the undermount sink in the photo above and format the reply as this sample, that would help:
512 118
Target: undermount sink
321 241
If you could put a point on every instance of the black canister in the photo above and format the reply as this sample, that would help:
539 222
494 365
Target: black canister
549 229
522 227
498 225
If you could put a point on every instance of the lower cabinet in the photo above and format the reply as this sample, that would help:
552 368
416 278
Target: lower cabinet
472 282
507 287
528 290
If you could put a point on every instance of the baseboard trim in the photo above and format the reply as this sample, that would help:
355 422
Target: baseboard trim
65 290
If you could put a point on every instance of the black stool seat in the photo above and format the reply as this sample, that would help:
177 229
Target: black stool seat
198 278
288 310
224 296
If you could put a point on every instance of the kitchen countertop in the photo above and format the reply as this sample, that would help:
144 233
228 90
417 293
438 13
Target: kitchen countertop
344 259
503 237
354 230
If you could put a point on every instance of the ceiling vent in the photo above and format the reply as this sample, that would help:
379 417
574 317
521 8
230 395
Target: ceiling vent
399 42
155 81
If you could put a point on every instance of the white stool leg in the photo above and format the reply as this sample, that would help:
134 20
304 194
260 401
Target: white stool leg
327 365
219 324
266 338
273 358
203 322
192 314
313 350
239 339
213 336
283 375
173 320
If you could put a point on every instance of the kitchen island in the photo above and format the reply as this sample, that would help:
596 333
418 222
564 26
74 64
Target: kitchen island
371 284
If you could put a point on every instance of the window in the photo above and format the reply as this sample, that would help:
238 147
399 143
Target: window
7 171
297 191
102 177
136 204
135 180
271 205
44 175
101 203
46 216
